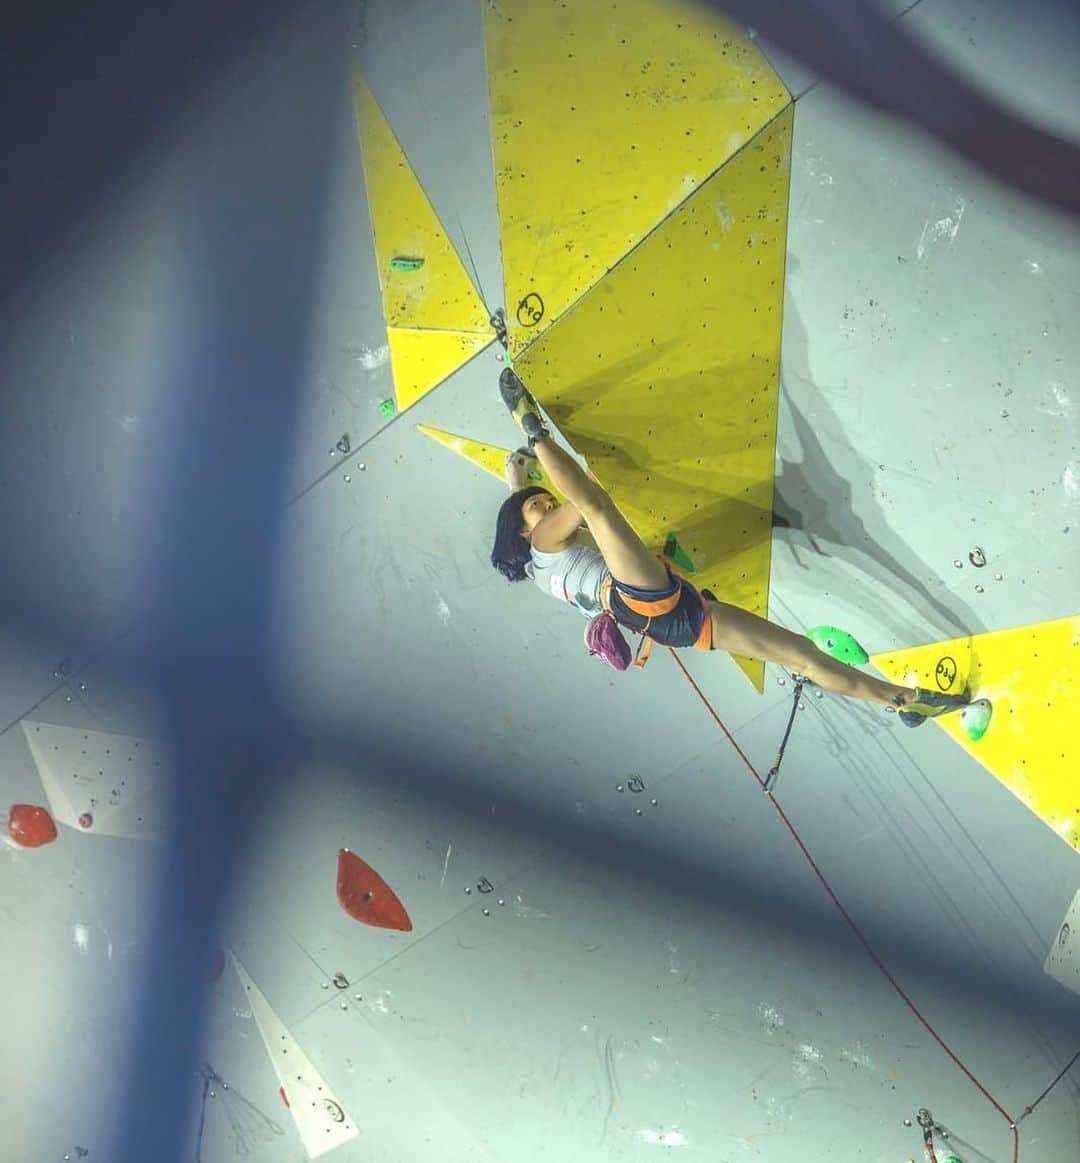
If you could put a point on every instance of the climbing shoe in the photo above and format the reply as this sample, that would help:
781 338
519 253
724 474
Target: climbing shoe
521 406
930 704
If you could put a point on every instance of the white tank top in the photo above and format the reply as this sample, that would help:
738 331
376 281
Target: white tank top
572 575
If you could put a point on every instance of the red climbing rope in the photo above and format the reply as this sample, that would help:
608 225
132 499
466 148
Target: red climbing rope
844 913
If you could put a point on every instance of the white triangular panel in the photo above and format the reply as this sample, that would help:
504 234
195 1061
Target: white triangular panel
319 1117
117 780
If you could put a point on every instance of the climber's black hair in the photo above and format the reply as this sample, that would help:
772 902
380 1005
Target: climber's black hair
510 554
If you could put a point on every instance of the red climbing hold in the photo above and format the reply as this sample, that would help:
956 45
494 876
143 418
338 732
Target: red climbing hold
366 897
31 826
218 966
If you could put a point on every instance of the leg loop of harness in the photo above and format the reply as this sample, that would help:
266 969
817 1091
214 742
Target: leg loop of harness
644 647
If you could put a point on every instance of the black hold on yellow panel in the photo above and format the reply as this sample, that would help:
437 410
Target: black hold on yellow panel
605 118
423 281
665 376
1031 675
422 359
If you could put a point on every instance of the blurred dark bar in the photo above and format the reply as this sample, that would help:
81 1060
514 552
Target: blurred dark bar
876 59
87 92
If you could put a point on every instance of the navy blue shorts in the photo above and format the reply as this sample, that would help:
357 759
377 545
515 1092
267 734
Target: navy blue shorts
674 616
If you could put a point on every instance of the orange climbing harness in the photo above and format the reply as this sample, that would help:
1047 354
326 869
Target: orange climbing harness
652 609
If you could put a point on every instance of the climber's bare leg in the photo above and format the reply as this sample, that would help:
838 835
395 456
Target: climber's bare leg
741 632
624 553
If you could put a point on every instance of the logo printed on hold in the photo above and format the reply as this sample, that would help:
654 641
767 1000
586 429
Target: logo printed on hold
530 310
945 672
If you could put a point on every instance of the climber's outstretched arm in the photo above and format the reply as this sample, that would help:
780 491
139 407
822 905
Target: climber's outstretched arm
575 484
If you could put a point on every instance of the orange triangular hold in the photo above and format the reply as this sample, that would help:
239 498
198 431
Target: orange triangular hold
366 897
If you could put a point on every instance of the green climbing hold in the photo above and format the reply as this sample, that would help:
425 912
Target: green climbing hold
408 265
976 718
675 552
388 407
839 644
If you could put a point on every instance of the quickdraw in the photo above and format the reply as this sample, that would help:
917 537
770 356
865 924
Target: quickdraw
800 682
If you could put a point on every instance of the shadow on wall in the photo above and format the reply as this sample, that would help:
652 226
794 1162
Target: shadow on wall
813 497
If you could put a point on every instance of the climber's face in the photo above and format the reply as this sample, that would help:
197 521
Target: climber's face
535 509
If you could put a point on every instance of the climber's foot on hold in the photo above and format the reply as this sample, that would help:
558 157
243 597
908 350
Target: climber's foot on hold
924 704
521 406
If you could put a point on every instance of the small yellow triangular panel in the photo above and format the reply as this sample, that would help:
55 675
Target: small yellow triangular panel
665 377
421 360
1031 675
605 118
440 294
489 457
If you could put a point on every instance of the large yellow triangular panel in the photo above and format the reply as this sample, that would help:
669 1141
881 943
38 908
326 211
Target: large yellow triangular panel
605 118
665 376
489 457
425 287
423 359
1031 675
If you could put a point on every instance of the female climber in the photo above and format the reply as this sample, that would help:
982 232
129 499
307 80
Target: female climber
539 539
